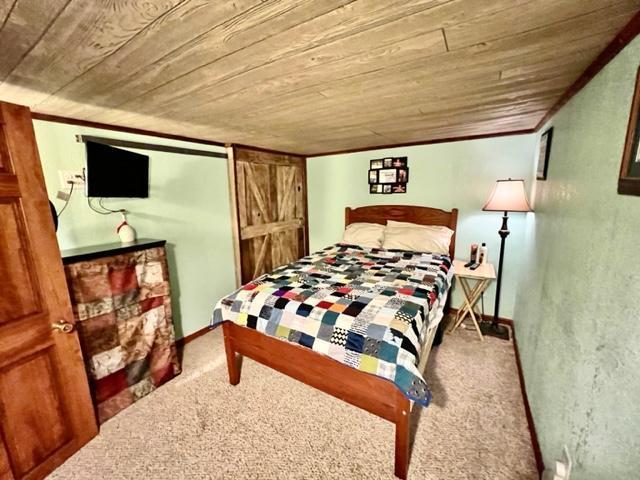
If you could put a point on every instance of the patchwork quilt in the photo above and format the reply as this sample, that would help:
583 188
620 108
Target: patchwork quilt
366 308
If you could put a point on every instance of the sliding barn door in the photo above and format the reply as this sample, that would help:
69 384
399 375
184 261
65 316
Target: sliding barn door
271 209
45 408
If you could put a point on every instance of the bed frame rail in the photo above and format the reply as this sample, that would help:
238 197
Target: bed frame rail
373 394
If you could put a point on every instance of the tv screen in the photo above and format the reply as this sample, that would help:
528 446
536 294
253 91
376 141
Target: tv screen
114 172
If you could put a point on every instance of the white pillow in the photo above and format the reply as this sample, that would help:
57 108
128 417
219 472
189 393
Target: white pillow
368 235
417 238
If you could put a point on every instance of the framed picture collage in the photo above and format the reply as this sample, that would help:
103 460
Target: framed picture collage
388 175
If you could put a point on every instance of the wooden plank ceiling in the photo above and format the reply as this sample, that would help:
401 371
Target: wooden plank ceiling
303 76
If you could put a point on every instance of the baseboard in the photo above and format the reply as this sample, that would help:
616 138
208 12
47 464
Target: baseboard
527 410
181 342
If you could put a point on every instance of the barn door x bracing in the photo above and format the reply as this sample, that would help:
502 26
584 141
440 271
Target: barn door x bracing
270 195
45 406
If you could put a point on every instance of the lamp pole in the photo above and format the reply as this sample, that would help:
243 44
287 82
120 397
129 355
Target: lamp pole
494 328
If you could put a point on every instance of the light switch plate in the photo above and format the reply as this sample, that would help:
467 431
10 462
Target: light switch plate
68 177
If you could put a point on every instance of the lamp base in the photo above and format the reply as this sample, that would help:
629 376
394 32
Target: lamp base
494 329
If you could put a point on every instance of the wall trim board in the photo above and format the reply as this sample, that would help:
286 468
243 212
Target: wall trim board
425 142
181 342
537 453
107 126
265 150
115 142
624 37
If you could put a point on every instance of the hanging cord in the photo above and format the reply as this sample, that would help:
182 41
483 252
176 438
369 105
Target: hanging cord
66 203
106 210
120 210
95 209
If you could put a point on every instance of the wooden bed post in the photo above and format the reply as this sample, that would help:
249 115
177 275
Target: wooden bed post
403 413
233 359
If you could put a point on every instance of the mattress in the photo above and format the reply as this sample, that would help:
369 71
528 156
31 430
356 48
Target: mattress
369 309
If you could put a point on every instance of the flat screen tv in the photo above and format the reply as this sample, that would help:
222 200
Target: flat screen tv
114 172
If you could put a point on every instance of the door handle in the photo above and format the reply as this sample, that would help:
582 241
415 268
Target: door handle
62 326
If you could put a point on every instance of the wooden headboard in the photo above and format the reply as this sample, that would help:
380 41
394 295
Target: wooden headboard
405 213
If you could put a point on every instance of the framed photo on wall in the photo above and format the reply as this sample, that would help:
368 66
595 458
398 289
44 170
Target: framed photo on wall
629 178
545 151
388 175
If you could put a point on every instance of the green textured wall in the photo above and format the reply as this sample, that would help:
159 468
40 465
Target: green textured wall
188 205
578 310
447 175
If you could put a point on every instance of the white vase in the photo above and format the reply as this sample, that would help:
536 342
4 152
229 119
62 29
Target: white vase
126 232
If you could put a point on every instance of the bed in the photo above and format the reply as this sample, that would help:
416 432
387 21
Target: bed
355 323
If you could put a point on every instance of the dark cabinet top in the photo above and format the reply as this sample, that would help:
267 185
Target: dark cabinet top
91 252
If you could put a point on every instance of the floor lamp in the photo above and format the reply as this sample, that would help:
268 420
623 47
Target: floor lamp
507 196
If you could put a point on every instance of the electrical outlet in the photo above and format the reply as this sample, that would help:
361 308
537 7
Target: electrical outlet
561 469
566 461
67 177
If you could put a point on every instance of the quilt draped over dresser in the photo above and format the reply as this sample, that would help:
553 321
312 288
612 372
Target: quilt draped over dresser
123 314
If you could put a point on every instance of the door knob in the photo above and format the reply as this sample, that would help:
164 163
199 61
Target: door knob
62 326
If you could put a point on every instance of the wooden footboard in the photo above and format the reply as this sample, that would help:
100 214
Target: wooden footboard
373 394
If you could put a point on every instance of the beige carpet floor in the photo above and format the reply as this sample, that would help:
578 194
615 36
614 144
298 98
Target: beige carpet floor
269 426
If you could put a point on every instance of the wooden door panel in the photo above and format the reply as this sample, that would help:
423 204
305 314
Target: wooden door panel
4 155
286 246
285 179
259 205
270 210
255 256
16 266
33 430
45 406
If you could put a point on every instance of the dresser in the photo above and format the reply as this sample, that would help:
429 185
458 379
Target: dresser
121 303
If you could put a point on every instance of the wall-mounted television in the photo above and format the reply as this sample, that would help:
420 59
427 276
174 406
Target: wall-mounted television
114 172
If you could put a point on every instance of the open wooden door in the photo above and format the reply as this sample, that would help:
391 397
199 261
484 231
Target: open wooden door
45 407
269 198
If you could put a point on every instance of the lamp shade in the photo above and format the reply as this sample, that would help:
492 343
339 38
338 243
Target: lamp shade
508 196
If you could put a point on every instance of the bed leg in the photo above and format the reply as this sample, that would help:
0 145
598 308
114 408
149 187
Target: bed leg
403 413
233 359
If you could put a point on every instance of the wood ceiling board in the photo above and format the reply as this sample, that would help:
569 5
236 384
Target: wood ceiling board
299 74
492 56
275 73
206 58
216 29
88 36
5 9
421 137
416 48
383 26
523 18
347 21
475 96
25 24
577 42
577 62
